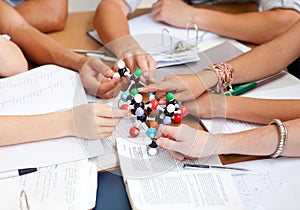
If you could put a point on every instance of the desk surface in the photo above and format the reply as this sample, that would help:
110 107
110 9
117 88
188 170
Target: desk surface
74 37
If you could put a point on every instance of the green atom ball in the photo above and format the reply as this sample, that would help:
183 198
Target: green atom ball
134 91
138 72
170 96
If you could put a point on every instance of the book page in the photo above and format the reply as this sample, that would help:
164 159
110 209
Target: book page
135 161
65 186
184 190
271 184
44 89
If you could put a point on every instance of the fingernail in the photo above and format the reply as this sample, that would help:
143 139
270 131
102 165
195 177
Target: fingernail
141 89
146 74
160 142
109 72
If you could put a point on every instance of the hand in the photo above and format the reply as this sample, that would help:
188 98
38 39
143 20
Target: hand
127 49
185 86
173 12
95 77
138 58
187 141
207 105
96 121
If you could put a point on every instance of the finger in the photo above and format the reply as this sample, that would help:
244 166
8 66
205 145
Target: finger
166 143
107 129
105 121
183 96
155 87
129 60
99 66
109 88
104 110
152 70
172 132
177 155
105 135
156 8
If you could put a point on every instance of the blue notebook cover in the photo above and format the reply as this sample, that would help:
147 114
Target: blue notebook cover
111 192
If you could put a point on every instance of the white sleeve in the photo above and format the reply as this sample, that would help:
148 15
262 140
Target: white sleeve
265 5
132 4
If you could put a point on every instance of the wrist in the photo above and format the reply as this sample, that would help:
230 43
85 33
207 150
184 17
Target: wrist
79 62
67 125
208 78
226 144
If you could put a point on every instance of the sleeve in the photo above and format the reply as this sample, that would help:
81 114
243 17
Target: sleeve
265 5
132 4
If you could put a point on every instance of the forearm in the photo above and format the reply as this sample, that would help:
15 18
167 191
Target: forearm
112 27
261 141
269 58
45 15
22 129
261 110
42 49
254 27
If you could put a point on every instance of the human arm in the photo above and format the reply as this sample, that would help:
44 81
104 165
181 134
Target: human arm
254 27
42 49
10 52
246 109
263 141
262 61
45 15
114 32
90 121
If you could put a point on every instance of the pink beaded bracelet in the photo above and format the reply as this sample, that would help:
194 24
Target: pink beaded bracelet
224 73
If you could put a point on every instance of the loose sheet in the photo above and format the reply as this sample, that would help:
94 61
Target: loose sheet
271 184
71 186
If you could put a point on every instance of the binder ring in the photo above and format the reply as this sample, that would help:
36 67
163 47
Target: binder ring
24 196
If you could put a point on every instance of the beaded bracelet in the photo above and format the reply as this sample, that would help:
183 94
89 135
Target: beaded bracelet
283 137
224 73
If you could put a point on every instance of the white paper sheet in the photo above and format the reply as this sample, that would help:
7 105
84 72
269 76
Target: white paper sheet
42 90
185 190
69 186
136 163
271 184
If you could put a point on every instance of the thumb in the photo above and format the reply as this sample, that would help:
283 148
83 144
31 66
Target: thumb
166 143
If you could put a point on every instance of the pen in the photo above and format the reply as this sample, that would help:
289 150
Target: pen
17 172
200 166
241 89
103 57
249 86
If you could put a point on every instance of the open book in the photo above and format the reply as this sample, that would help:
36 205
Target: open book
44 89
160 182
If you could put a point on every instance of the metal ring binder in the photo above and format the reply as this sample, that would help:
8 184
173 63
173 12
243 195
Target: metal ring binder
23 198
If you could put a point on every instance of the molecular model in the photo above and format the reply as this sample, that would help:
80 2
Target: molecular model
147 108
